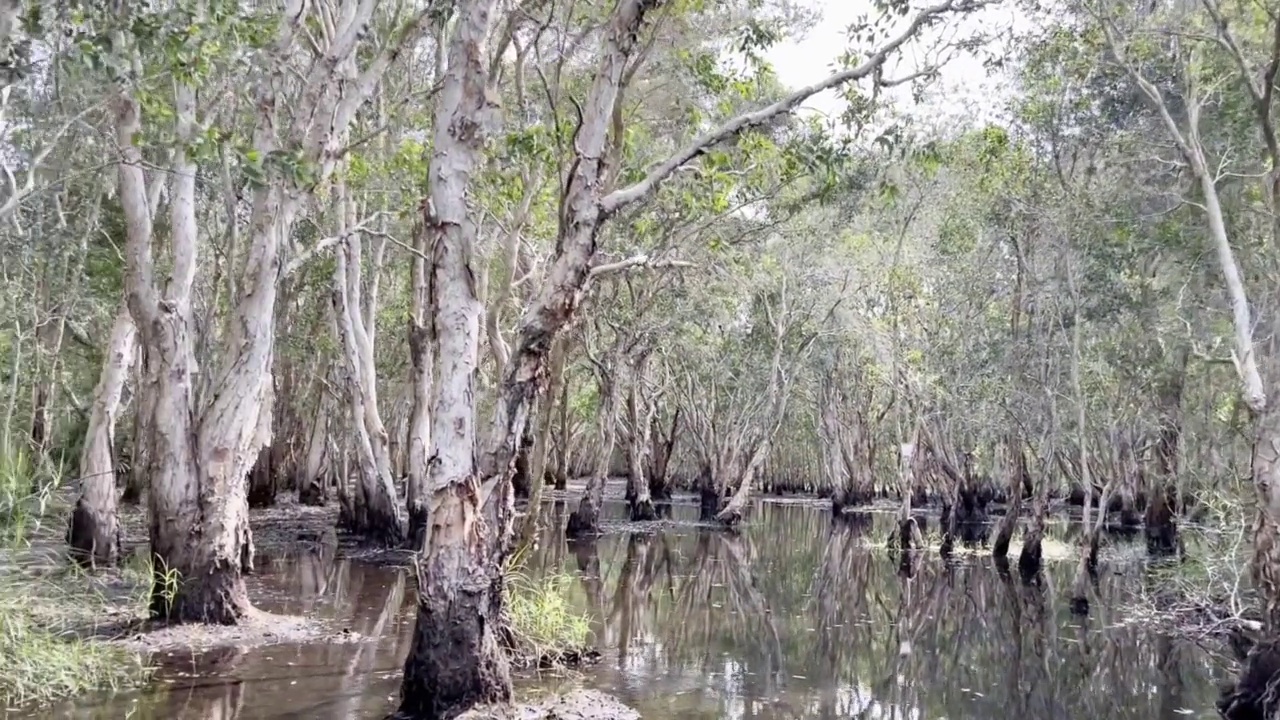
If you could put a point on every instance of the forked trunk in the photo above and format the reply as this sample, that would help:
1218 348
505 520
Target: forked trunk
455 661
199 523
94 531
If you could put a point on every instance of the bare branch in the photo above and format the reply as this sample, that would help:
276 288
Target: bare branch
636 262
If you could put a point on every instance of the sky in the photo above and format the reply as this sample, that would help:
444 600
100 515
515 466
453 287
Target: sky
962 90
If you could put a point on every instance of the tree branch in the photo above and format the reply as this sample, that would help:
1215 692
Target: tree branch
633 263
619 199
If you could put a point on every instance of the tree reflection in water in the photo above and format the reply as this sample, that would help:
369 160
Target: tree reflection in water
800 616
797 617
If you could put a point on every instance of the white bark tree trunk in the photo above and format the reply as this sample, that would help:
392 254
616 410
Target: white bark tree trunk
199 457
379 517
455 660
94 531
313 485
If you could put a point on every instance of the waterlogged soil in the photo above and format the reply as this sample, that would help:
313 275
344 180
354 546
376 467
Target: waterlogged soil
793 617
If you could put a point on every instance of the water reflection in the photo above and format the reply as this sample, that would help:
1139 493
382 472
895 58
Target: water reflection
795 617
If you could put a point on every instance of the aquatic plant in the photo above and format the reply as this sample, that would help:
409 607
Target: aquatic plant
542 626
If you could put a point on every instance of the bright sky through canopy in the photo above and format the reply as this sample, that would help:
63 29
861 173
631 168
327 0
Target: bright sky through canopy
964 87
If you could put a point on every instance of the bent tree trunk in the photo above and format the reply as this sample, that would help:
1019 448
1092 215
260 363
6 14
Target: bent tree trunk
94 531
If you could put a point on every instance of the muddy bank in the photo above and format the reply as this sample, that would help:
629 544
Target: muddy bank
257 629
580 705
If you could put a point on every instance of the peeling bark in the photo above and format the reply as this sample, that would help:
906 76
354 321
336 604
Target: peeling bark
455 660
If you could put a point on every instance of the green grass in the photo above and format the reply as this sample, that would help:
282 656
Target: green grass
543 624
48 606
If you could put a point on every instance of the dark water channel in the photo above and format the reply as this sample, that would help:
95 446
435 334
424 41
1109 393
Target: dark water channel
794 618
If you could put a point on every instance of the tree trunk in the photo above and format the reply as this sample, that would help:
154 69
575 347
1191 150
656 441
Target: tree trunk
135 482
313 486
1162 485
1017 469
94 532
733 512
586 519
542 442
197 462
378 518
421 360
660 456
1089 541
262 480
641 414
1029 560
455 660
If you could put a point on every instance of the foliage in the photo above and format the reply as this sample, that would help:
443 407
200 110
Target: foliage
46 609
544 626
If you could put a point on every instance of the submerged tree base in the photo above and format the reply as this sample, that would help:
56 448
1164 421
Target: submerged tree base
456 662
1254 695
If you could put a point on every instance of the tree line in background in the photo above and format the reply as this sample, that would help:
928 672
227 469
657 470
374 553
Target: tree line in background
431 256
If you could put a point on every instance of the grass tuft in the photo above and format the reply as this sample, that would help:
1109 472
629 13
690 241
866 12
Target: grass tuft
49 608
543 627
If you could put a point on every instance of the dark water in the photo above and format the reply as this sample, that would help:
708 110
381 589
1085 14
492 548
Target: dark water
793 618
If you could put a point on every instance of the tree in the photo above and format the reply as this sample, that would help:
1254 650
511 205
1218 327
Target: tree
456 659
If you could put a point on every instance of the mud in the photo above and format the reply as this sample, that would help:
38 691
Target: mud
257 629
579 705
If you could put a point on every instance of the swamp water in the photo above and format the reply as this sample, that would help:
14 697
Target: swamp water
796 617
